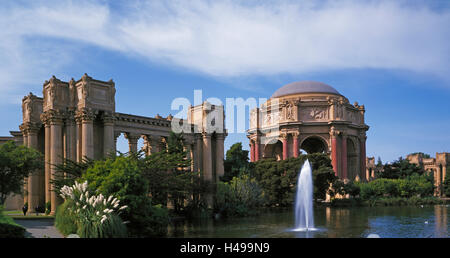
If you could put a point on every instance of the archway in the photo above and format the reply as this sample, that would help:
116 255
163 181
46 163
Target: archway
352 159
313 144
274 150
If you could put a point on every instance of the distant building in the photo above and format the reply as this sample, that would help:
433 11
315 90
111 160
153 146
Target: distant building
438 166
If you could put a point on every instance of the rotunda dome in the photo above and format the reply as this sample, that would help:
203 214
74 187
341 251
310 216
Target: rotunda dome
304 87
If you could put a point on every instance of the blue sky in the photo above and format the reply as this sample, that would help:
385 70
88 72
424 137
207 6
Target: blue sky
391 56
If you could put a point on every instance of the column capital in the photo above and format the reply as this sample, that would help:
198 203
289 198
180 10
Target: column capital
108 118
133 137
52 117
295 134
30 128
84 115
283 136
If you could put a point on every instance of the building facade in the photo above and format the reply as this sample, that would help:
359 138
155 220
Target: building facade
77 119
311 117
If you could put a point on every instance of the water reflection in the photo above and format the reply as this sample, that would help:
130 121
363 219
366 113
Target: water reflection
330 222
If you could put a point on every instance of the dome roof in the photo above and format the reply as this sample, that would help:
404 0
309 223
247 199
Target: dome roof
304 87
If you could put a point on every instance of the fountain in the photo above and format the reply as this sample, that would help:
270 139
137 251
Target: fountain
304 216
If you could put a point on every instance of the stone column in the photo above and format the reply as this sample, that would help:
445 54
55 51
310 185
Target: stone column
87 117
71 138
132 141
252 151
47 159
155 144
285 146
207 168
362 139
108 135
295 136
334 151
257 154
56 153
25 181
344 156
147 147
33 178
198 164
220 138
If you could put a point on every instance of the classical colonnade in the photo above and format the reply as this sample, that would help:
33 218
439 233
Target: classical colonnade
77 119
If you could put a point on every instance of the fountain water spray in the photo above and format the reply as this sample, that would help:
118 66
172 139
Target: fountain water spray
304 216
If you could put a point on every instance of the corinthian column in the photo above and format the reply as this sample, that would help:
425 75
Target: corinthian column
108 134
56 154
132 141
86 117
285 146
220 138
295 136
207 168
33 178
334 150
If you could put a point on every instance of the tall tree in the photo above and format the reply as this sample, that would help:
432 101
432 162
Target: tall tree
16 164
236 162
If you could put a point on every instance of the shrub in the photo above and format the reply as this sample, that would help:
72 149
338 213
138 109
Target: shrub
239 197
122 178
94 216
65 222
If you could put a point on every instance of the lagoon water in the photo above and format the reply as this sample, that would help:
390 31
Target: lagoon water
330 222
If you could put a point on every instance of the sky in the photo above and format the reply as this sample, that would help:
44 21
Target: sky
391 56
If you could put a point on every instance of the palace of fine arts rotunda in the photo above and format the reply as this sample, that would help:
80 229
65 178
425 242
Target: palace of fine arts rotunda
310 116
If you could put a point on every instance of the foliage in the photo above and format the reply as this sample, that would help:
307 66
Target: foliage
95 216
351 188
122 177
409 187
424 155
65 221
8 228
278 179
446 183
170 178
236 162
239 197
16 163
401 168
48 208
69 171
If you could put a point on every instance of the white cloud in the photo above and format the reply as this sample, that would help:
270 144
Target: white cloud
229 38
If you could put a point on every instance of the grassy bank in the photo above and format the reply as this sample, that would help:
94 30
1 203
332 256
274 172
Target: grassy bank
8 228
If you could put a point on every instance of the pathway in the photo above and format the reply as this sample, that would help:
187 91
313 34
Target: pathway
40 228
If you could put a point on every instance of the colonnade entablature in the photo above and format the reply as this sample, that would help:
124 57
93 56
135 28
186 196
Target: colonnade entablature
77 119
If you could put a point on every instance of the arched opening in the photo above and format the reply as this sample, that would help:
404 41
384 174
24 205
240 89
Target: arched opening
313 144
274 150
352 159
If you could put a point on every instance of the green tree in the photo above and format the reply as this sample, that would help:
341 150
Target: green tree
379 162
16 164
278 179
236 162
400 168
